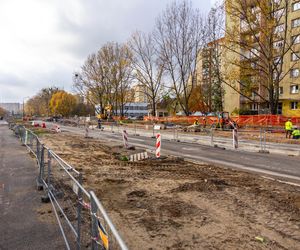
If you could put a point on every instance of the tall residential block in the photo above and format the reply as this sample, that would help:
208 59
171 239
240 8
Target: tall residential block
262 56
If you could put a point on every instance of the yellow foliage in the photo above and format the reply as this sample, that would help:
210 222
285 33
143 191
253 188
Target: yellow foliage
62 103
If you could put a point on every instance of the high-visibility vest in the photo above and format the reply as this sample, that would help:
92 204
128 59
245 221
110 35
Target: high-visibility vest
288 125
296 132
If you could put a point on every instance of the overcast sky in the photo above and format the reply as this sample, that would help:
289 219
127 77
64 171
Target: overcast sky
43 42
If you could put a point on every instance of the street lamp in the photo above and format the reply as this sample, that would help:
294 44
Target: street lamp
24 106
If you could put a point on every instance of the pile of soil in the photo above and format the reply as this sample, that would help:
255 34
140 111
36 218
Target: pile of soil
173 204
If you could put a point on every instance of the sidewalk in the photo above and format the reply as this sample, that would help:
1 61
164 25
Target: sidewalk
20 226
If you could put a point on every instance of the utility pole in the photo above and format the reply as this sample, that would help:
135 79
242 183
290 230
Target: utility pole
23 112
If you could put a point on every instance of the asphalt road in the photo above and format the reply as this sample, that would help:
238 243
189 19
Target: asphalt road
279 166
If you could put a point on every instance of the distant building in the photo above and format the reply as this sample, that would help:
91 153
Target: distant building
135 109
12 108
140 94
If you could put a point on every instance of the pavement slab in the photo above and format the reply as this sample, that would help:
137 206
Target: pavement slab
20 223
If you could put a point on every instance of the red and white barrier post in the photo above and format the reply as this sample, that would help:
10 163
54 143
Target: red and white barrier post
125 139
158 145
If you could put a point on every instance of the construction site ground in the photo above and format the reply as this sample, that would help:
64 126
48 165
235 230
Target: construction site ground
173 204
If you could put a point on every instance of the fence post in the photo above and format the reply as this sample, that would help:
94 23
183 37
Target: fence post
86 133
212 137
94 223
260 139
153 131
41 169
235 138
265 146
26 137
37 149
79 209
49 169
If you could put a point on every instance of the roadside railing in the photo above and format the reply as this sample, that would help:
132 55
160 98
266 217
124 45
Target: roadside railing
81 217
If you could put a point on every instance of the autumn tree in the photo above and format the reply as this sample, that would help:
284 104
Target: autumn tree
33 106
258 34
148 69
179 35
3 112
62 103
45 95
39 104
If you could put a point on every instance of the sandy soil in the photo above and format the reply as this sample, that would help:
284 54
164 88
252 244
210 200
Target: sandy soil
172 204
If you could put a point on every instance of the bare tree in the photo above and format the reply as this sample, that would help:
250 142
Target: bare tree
179 35
212 86
118 75
90 82
260 37
147 66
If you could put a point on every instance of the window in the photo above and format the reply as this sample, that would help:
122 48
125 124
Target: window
277 60
254 106
278 44
253 65
294 105
280 90
295 56
294 89
296 39
296 6
279 28
294 73
279 108
279 13
244 25
296 23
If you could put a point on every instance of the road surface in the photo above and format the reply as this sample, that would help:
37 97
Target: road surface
279 166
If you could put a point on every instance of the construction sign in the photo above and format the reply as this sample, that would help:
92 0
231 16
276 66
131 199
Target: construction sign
103 237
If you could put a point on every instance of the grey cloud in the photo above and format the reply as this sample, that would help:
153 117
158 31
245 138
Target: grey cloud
103 21
112 21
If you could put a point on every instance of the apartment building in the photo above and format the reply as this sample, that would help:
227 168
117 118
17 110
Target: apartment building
12 108
209 73
140 93
262 40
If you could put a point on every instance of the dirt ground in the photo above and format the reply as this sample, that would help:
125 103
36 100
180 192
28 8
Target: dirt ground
172 204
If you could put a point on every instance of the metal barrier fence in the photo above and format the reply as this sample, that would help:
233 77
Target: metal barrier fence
206 136
81 217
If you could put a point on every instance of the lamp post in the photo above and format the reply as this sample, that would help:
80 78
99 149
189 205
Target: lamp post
24 106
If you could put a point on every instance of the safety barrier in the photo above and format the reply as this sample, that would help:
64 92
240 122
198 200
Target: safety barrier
242 120
81 217
248 140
